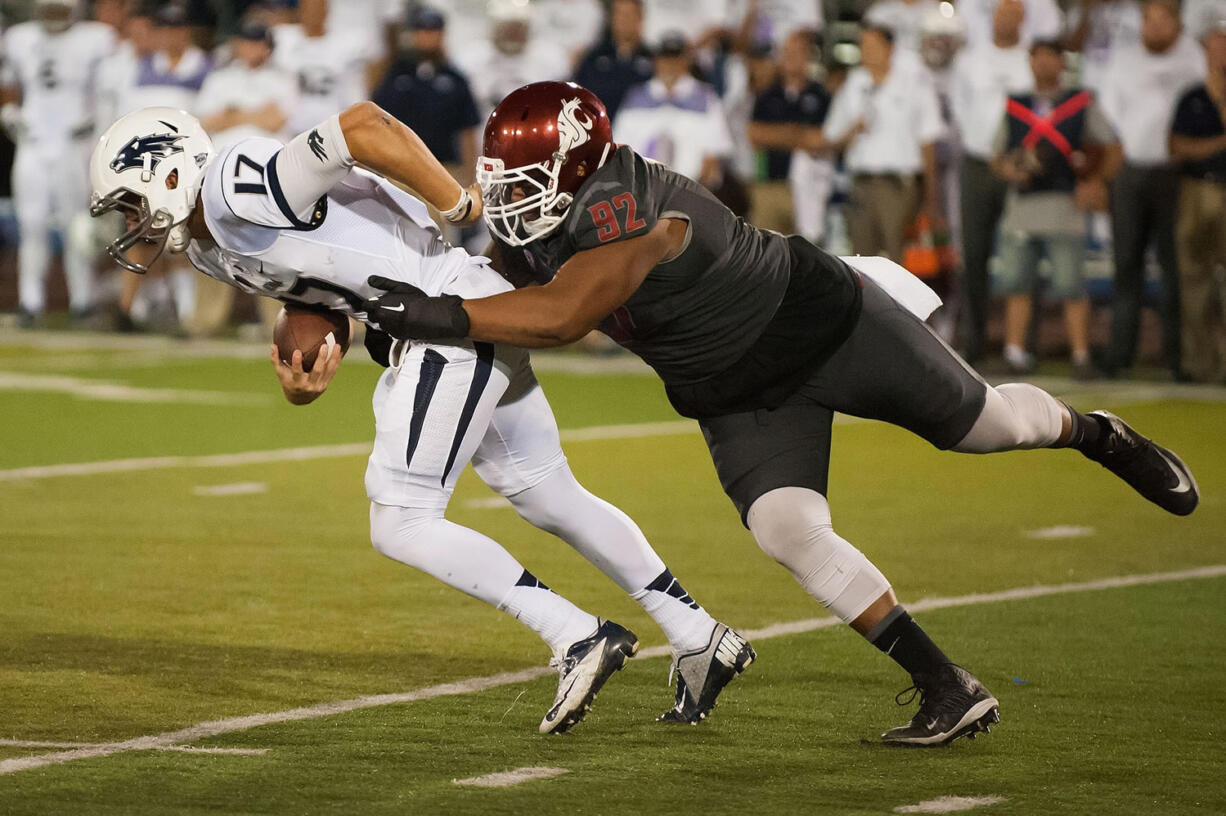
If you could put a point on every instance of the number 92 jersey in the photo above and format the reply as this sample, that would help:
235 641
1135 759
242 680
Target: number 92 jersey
323 252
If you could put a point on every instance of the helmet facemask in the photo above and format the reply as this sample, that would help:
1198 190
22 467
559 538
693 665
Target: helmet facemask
149 167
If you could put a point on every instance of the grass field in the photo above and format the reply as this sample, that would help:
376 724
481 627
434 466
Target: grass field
142 599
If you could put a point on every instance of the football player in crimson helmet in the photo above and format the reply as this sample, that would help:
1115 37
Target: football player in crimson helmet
761 337
535 156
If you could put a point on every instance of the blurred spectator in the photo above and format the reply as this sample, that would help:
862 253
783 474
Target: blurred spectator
1198 140
773 20
903 17
620 60
1049 147
328 67
887 123
172 74
1097 28
117 73
704 18
426 92
745 76
1139 96
675 119
984 75
373 23
574 25
941 36
48 96
1043 21
249 96
1201 15
508 55
787 125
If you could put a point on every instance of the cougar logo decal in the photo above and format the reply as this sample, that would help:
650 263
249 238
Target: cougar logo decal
132 155
573 127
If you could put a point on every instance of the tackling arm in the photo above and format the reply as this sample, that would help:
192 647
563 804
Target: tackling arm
588 287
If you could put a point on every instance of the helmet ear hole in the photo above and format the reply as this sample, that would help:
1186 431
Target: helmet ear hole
172 180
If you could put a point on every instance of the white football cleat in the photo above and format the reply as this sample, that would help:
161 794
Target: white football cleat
585 668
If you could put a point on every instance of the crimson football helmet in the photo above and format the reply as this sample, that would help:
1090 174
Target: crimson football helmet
541 143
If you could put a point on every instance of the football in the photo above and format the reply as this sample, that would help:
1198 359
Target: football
306 329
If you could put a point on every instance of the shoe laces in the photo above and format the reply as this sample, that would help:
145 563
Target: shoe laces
929 689
564 665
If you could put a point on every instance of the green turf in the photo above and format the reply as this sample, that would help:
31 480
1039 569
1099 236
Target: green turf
131 606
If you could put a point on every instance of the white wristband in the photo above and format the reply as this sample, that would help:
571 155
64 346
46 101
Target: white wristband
462 208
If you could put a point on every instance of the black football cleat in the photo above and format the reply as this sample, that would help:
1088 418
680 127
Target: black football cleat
952 704
583 671
702 674
1151 470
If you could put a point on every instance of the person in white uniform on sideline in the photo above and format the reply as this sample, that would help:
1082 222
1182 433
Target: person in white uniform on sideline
299 223
48 97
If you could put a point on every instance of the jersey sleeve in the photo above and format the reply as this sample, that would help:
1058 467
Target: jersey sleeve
614 206
269 184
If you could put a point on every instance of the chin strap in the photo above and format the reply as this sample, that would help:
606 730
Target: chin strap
178 238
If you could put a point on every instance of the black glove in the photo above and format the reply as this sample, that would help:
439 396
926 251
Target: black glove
378 346
407 313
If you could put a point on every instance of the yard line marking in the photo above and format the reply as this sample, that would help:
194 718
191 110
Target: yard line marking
506 779
111 391
1060 531
595 433
950 804
474 684
235 489
186 749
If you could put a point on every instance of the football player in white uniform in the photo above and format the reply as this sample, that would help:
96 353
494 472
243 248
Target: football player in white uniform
48 110
297 222
328 65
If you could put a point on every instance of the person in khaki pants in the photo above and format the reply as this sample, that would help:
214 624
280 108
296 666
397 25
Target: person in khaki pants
887 118
1198 140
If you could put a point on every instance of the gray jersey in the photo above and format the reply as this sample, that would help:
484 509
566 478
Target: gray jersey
696 315
731 318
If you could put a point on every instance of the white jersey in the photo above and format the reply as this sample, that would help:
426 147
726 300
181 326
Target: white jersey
330 72
56 74
238 86
361 226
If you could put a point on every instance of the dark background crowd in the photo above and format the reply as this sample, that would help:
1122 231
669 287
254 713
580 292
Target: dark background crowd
1057 173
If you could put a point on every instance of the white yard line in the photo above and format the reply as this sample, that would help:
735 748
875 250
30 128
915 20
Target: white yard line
235 489
950 804
506 779
1060 531
186 749
599 432
110 391
475 684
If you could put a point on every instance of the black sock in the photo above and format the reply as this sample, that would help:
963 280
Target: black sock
903 640
1084 432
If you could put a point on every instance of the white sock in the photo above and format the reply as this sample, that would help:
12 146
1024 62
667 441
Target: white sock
478 566
686 624
615 545
558 621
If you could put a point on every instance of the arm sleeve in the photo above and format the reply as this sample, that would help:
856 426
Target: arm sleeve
1001 139
305 169
1098 129
839 119
265 183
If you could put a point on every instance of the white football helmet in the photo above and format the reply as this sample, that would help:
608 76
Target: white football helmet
150 166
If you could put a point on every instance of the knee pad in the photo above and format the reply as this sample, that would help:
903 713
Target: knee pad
793 526
1015 416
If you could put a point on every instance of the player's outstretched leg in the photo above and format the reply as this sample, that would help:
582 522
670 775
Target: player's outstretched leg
586 650
1018 415
793 525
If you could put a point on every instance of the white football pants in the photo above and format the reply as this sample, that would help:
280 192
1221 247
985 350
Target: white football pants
50 188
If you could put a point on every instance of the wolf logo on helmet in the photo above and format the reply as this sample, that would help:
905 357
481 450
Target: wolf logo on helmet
159 145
